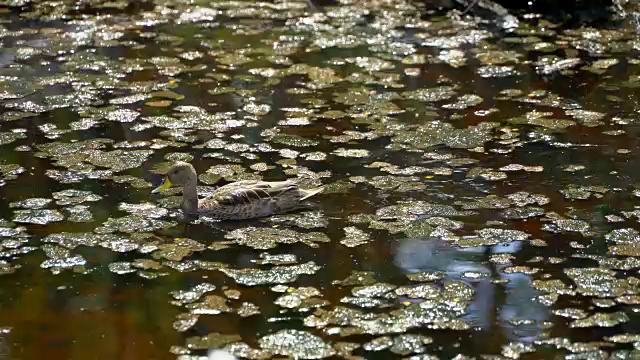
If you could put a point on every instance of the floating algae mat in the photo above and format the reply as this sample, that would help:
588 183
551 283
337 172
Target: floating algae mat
481 186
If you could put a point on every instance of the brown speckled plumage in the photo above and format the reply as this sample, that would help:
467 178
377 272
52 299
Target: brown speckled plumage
245 199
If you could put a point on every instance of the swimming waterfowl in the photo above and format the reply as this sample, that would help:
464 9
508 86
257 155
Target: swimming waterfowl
246 199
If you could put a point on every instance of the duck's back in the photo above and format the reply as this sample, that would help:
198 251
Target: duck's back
249 199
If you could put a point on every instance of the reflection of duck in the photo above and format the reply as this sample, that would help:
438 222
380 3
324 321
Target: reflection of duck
433 254
247 199
512 308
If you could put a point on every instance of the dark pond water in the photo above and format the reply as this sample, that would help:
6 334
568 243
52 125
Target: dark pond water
481 182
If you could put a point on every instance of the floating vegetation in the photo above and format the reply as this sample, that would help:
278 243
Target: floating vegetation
37 216
267 238
74 197
132 224
275 275
297 344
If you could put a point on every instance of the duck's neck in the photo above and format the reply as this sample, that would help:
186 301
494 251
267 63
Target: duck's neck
190 197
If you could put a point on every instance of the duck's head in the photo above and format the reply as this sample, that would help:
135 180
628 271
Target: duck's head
179 174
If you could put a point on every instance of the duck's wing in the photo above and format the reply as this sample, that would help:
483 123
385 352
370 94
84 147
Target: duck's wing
247 191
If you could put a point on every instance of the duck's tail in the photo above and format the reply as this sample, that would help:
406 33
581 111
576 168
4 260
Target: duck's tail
307 193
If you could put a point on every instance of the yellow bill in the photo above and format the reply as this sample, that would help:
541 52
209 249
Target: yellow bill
164 186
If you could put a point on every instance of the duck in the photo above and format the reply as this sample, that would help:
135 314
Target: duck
240 200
